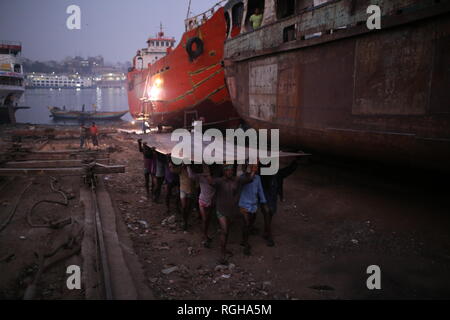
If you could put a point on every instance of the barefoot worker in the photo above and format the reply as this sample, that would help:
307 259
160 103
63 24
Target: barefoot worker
252 194
187 196
273 186
227 192
160 163
206 200
149 164
172 182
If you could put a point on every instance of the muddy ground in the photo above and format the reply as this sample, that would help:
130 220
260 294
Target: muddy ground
335 221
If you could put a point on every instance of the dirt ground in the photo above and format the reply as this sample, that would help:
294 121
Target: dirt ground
333 224
20 244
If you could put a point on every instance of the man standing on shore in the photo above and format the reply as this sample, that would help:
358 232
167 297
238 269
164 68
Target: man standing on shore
83 135
94 134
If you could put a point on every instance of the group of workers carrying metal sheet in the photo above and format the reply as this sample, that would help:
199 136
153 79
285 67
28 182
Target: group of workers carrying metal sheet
225 191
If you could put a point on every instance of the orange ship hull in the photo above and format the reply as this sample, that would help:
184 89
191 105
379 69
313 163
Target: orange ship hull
178 89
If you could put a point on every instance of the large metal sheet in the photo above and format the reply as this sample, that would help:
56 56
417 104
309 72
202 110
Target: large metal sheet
163 143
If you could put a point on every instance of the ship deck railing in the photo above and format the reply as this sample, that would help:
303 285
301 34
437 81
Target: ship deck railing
198 20
8 44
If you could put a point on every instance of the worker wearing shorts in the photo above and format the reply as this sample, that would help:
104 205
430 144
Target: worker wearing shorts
172 182
159 165
148 165
273 188
252 195
205 201
187 195
227 191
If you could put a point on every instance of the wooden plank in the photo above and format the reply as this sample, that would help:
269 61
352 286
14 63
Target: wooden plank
109 169
71 152
51 163
57 156
52 132
14 172
80 171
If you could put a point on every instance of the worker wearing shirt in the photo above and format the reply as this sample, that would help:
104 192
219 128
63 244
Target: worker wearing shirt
252 194
256 19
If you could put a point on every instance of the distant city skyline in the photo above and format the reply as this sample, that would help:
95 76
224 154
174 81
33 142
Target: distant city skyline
114 29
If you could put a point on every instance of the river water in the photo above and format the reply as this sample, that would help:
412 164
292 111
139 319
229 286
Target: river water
107 99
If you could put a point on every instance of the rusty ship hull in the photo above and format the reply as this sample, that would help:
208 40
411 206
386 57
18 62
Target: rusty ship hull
377 95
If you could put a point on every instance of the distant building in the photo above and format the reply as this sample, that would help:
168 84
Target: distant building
84 66
43 80
103 70
110 80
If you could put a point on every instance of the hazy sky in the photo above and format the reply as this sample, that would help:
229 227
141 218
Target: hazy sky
112 28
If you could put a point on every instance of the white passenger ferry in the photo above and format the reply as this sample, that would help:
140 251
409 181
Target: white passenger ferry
12 84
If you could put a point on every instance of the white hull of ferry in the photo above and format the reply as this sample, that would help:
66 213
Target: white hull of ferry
16 91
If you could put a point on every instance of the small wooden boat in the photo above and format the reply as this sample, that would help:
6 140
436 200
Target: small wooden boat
58 113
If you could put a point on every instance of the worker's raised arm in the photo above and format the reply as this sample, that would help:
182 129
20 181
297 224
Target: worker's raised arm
247 177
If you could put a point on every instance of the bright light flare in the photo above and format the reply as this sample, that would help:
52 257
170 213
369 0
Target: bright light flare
154 91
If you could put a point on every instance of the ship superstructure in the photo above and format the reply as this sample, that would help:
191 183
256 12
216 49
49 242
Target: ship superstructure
12 85
157 47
